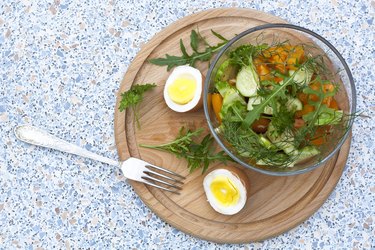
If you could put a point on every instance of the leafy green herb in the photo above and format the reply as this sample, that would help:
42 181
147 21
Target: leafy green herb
277 91
195 40
198 155
133 97
243 55
253 146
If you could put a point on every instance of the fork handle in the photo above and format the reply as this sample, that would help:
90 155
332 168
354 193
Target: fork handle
39 137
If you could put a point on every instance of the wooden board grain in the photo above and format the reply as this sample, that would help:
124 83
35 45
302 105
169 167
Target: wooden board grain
276 204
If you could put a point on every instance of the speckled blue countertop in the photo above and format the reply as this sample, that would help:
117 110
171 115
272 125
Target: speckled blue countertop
61 63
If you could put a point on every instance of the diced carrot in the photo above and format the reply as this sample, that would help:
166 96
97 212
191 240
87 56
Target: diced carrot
275 54
284 57
281 67
258 60
320 136
318 141
262 69
217 103
307 108
328 87
269 52
263 72
327 100
333 104
295 56
303 97
279 57
278 79
315 86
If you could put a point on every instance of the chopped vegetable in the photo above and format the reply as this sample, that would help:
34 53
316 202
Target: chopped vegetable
247 81
217 103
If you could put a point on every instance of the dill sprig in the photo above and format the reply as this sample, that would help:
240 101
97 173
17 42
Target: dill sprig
133 97
196 39
198 154
249 145
244 54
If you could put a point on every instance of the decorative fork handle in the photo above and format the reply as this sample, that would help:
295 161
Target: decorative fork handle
39 137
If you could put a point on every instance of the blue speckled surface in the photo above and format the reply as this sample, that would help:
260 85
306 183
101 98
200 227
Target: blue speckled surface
61 65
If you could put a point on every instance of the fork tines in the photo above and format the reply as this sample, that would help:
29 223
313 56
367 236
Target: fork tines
163 178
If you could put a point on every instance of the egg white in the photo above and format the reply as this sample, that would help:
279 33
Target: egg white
227 210
179 72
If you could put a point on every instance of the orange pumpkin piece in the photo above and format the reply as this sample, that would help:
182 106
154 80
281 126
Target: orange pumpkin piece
328 88
268 53
333 104
281 67
278 59
217 103
303 97
285 57
317 87
307 108
296 56
320 136
262 69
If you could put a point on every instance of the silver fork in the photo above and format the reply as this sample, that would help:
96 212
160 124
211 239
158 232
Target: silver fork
132 168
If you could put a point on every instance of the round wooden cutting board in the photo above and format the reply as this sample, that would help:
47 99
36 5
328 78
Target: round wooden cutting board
276 204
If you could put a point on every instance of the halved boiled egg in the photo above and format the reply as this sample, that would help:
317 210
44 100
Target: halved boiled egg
183 89
227 189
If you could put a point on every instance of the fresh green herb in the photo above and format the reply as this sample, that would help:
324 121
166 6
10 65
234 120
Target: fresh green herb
195 40
277 91
243 55
252 146
133 97
198 155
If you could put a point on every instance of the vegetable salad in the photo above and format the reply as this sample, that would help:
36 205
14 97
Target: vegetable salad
275 104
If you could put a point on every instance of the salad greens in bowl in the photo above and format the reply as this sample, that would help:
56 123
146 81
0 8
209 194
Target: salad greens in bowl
279 99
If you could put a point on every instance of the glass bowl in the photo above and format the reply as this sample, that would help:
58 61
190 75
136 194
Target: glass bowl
317 45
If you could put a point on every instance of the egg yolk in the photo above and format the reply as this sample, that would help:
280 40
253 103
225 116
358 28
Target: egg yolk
224 191
182 90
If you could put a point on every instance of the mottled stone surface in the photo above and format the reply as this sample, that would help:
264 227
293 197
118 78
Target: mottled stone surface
61 63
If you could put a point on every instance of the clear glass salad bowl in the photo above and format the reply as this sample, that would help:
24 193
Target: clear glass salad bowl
335 63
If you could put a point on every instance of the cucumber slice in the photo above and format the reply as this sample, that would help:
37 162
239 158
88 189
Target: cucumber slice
302 76
265 142
306 152
231 96
294 104
254 100
268 110
283 141
247 81
329 118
